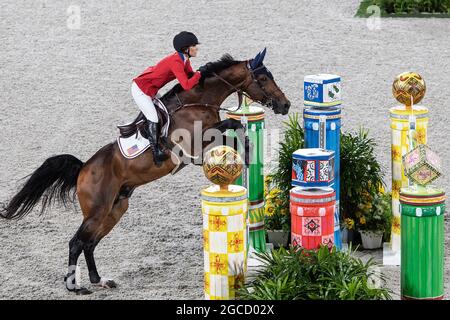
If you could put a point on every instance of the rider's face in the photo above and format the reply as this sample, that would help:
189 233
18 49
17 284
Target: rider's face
193 51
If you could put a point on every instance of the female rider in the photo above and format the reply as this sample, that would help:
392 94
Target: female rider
176 65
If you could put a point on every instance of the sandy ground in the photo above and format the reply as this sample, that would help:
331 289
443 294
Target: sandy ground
64 90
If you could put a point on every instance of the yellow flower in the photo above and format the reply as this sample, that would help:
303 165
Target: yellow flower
349 223
267 182
362 220
396 186
396 225
269 210
367 206
396 153
274 192
421 136
268 179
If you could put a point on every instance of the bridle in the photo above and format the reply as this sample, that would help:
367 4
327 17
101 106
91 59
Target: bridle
237 88
241 93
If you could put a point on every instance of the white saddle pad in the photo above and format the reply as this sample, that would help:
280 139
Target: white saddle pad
135 145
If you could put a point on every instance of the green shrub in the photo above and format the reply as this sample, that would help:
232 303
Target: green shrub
360 173
406 7
282 176
298 274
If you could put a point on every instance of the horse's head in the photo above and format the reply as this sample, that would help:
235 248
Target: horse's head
263 87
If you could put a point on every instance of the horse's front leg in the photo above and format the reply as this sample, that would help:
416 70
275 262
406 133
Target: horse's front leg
229 124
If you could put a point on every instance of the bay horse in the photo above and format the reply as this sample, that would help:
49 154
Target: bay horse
106 181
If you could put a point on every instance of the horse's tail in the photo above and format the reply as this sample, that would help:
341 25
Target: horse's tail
55 179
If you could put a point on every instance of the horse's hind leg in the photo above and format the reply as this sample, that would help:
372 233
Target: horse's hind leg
95 210
71 279
85 236
119 208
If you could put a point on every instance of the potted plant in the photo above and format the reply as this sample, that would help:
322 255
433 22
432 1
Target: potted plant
361 175
374 219
277 232
348 228
276 218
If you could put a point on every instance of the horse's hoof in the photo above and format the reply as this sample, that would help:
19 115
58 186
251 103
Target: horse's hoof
73 288
110 284
106 283
82 291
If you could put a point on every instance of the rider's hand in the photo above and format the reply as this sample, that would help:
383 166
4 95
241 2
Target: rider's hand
203 70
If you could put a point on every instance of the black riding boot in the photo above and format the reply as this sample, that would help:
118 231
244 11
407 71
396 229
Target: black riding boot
153 135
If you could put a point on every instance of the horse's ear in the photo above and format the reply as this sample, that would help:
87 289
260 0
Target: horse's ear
263 54
258 60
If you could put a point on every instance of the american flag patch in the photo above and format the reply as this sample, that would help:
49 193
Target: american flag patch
132 149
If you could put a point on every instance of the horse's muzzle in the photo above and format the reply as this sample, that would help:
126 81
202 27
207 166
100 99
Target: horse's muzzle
281 108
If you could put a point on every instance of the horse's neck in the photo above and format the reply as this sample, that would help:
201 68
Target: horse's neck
213 93
217 95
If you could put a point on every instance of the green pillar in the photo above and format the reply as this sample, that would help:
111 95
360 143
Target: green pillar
255 176
422 242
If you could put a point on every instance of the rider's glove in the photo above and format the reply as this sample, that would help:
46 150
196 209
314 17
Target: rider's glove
203 70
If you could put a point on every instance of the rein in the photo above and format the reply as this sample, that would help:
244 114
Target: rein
236 88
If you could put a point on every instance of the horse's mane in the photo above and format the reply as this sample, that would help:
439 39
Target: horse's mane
217 66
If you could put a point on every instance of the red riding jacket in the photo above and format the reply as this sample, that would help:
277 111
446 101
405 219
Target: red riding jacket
169 68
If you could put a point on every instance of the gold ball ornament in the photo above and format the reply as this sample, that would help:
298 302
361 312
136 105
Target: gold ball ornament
409 85
222 165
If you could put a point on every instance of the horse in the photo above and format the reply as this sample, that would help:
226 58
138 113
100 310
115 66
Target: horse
105 182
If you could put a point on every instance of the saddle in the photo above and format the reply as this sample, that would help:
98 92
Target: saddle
140 123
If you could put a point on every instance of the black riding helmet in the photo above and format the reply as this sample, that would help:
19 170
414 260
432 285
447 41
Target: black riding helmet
183 40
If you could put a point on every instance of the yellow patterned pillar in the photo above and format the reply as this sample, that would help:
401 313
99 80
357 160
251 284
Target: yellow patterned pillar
401 120
224 240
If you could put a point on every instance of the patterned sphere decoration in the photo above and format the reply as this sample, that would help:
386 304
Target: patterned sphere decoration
407 85
222 165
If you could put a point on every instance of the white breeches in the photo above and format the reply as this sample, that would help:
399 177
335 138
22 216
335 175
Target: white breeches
144 102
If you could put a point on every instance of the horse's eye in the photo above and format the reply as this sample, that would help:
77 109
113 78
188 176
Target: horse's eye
264 78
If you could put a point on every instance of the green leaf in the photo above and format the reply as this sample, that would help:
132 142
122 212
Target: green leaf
298 274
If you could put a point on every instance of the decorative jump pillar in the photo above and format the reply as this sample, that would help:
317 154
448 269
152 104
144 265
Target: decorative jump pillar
322 130
322 120
409 123
422 242
224 240
312 215
254 119
224 209
402 121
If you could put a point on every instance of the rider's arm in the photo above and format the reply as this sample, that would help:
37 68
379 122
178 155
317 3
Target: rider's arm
178 70
188 67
